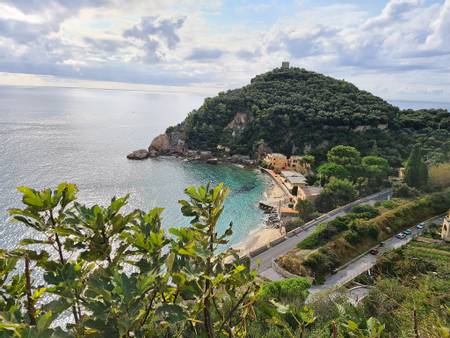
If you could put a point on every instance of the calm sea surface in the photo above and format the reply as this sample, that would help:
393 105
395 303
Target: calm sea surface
50 135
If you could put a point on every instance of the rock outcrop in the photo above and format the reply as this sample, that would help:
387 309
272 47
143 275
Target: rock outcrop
140 154
170 143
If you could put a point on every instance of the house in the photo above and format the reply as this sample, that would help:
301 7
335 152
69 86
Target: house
298 163
279 162
445 233
276 161
293 178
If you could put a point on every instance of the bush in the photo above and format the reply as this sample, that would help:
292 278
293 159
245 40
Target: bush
352 237
365 211
405 191
439 176
292 264
287 288
293 224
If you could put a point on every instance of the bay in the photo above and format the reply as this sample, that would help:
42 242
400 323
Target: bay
82 136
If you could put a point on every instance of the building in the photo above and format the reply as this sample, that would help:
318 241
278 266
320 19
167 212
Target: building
285 65
293 179
445 233
276 161
298 163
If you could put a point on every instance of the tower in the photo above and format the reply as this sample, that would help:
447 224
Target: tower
285 65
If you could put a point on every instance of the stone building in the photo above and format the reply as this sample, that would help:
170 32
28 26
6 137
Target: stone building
276 161
285 65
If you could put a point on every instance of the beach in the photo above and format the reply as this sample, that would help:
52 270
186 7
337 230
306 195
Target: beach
262 235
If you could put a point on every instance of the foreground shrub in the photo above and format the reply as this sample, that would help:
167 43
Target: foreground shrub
108 273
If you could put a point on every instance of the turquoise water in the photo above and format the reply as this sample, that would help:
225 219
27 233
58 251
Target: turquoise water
49 135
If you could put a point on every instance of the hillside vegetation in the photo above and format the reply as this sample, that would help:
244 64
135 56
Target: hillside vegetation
298 111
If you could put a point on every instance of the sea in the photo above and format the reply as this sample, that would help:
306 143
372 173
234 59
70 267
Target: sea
82 136
51 135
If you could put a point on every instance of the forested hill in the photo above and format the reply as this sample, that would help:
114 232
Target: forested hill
297 111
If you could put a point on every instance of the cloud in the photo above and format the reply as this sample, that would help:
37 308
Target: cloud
169 42
107 45
205 54
152 27
153 33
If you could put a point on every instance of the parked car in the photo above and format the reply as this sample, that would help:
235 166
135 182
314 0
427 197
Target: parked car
381 244
407 232
374 252
400 235
420 226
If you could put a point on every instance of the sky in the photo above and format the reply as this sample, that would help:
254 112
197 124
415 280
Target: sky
397 49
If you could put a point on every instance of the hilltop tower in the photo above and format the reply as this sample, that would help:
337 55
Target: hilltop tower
285 65
445 233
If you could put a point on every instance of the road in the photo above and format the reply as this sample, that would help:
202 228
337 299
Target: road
367 261
263 261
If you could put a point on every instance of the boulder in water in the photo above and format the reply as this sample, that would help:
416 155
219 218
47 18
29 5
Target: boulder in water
140 154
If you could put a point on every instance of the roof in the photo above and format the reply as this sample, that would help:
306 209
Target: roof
277 155
296 180
285 210
290 173
312 191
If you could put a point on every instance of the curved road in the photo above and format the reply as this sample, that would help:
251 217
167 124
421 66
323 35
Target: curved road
263 261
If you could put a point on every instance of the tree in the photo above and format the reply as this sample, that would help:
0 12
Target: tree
330 169
346 156
416 171
305 209
376 169
336 193
119 274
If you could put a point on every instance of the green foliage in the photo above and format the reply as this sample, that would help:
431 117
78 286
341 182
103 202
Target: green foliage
405 191
416 171
338 247
376 169
329 170
336 193
306 209
374 329
283 102
286 289
119 274
412 279
293 223
326 231
346 156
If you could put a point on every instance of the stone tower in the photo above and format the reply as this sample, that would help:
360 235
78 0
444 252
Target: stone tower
285 65
445 233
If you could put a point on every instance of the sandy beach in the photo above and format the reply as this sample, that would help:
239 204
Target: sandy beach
262 235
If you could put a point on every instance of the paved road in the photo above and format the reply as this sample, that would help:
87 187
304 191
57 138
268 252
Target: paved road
265 259
367 261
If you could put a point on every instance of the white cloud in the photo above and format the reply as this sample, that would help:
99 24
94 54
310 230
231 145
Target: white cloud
189 43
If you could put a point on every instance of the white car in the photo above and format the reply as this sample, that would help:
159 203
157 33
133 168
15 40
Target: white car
420 226
400 235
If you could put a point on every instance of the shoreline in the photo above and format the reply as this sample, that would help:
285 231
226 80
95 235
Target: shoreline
263 234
